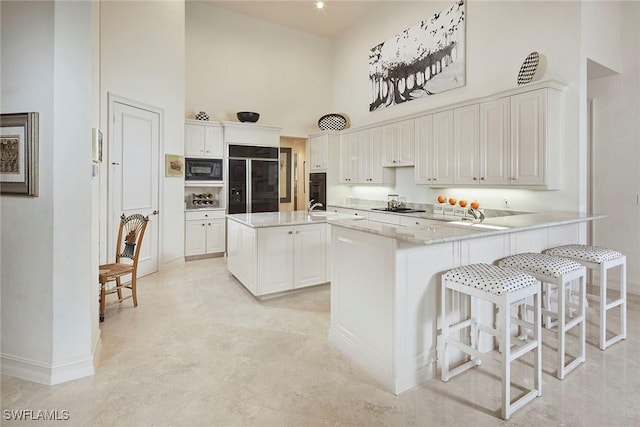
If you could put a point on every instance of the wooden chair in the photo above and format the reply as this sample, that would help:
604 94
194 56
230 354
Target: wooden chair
130 236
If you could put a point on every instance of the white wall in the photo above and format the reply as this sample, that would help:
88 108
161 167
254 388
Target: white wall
616 151
499 36
142 59
48 333
238 63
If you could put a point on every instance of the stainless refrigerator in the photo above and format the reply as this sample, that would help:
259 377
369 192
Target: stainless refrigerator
253 179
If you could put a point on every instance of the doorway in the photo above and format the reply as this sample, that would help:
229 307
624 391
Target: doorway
295 174
133 177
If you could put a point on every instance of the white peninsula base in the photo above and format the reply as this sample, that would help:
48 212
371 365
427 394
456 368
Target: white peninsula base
385 291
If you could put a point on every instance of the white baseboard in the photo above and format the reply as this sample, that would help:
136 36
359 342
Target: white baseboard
49 374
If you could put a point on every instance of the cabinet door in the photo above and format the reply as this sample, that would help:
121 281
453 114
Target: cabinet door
310 259
423 144
349 158
234 242
215 236
194 140
494 142
528 138
275 259
195 238
318 149
376 149
442 149
364 157
213 142
390 144
466 135
406 143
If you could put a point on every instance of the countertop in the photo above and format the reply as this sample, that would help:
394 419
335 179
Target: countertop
280 219
438 231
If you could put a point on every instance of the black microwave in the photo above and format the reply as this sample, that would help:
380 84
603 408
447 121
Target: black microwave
198 169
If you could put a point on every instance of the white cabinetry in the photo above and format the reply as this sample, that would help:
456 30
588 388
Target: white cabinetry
275 259
203 139
204 233
251 134
346 211
536 130
434 149
318 152
399 144
349 158
494 150
466 135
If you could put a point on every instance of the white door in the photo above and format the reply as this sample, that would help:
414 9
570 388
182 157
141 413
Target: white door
133 178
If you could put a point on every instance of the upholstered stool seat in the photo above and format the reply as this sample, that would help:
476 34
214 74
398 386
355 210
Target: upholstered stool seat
601 260
504 287
560 273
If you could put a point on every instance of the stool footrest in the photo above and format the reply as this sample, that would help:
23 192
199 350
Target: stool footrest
613 304
469 350
524 400
522 349
461 325
574 322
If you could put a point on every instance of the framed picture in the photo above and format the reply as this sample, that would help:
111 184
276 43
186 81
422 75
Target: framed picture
19 154
285 175
96 145
173 165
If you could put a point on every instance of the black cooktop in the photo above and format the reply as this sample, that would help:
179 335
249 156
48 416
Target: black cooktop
402 210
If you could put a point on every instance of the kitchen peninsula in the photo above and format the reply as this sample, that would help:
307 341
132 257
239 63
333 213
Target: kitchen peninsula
385 283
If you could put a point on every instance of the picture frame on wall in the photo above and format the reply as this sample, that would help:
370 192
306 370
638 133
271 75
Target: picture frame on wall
173 165
19 133
96 145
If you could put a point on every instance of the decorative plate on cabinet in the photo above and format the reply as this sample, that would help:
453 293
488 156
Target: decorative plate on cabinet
333 121
528 68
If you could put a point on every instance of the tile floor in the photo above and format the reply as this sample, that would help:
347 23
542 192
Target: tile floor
200 351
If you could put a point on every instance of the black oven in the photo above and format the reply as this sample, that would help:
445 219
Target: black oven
199 169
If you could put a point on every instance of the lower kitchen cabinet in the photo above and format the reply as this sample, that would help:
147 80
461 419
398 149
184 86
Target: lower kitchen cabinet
204 233
269 260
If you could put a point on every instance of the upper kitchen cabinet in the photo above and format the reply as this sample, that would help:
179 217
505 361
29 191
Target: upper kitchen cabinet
203 139
399 144
482 143
349 158
321 145
536 132
370 151
434 149
251 134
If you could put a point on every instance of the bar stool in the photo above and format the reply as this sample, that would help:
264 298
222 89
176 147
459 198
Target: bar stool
504 287
601 259
558 272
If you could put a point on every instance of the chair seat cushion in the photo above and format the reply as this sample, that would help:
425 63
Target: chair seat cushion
490 278
108 272
543 264
595 254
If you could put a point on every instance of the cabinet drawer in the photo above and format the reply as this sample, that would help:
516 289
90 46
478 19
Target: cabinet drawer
408 221
345 211
201 215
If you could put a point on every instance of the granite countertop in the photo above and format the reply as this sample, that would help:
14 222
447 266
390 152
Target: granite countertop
280 219
439 231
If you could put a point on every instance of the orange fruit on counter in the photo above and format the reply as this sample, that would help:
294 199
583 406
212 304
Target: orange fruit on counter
475 205
452 201
462 203
442 199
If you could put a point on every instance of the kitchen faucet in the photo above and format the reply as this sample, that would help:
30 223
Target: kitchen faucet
476 214
312 205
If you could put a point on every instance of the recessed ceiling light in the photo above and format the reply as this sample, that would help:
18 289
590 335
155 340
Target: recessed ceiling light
320 5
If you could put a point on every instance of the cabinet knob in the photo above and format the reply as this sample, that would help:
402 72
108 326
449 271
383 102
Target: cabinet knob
202 224
475 179
417 223
291 232
482 178
428 179
209 224
206 215
394 161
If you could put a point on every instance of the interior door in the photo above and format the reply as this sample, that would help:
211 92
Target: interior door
133 178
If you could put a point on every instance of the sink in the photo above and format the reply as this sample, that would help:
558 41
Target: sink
322 214
478 225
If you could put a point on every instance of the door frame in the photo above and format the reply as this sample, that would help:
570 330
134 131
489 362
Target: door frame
112 99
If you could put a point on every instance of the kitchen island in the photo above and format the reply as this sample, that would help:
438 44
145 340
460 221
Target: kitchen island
385 283
275 252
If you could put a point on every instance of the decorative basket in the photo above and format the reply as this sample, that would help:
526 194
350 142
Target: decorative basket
202 116
333 121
